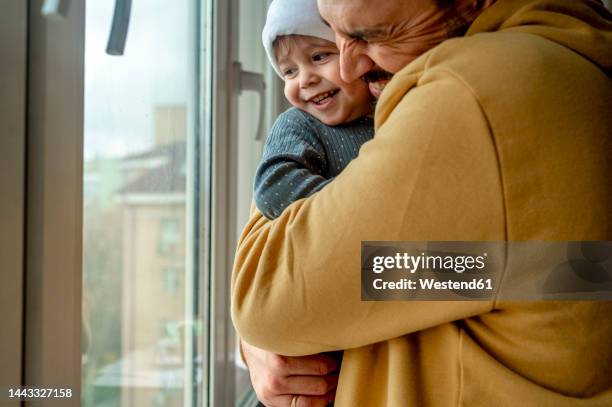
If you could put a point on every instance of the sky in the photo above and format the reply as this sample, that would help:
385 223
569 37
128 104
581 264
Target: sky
121 91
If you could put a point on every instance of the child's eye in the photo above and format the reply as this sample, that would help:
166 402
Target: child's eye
288 72
320 56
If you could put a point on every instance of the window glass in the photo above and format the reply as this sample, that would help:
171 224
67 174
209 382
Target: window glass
140 285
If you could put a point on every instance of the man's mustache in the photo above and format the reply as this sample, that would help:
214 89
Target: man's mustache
377 75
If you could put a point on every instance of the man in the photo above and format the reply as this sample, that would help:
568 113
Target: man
495 126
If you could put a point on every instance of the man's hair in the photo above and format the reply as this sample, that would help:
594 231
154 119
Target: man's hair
456 24
445 4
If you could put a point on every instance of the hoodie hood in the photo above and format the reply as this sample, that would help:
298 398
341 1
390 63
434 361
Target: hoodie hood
584 26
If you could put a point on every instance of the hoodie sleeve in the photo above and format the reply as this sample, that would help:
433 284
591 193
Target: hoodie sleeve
431 173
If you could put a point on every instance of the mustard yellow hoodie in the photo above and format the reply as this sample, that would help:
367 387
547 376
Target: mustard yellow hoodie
504 134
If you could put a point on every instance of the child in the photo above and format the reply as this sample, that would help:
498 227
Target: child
315 140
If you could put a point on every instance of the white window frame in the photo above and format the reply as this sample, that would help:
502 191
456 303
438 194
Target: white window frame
229 191
221 221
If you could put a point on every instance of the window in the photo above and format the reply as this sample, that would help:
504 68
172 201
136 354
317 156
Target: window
141 268
169 236
143 166
170 278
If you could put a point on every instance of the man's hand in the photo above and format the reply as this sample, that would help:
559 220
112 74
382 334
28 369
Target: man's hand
277 379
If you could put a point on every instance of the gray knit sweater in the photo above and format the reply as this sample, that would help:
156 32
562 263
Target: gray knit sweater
302 155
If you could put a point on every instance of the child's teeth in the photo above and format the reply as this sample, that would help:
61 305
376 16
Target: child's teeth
321 97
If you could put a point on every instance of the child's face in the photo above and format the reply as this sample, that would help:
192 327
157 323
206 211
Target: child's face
311 72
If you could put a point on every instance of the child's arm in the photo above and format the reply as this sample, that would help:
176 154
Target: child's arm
292 164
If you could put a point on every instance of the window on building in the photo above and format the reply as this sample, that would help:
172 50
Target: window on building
170 280
169 236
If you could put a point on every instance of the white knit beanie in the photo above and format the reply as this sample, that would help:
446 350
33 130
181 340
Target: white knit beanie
293 17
